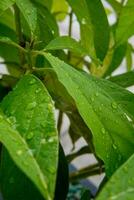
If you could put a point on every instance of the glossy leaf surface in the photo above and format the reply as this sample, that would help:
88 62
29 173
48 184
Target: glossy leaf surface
108 115
30 110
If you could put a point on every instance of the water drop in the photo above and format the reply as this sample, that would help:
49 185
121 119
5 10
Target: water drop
31 105
32 81
83 21
114 146
53 32
43 141
114 105
19 152
37 90
30 135
1 117
50 106
92 99
96 94
30 152
103 130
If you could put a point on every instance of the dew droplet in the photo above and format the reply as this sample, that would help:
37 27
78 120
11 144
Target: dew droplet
96 94
83 21
32 81
114 146
50 106
30 152
52 170
43 141
114 105
103 130
31 105
37 90
1 117
29 135
19 152
53 32
92 99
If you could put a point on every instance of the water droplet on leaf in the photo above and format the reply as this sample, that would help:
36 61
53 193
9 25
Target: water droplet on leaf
30 135
114 105
19 152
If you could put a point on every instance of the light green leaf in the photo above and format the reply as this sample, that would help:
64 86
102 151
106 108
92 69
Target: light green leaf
60 9
125 28
117 58
93 36
121 184
5 4
108 115
116 5
129 59
124 80
65 42
30 110
29 12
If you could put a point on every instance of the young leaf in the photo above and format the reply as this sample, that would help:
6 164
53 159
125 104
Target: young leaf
121 184
126 23
108 115
117 58
66 42
124 80
93 36
30 13
29 108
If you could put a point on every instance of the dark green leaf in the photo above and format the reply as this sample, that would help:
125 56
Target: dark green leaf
108 115
66 42
93 36
21 154
121 184
29 108
62 182
30 13
126 23
124 80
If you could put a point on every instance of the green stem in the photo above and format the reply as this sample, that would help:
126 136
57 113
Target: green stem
70 31
86 172
19 33
60 119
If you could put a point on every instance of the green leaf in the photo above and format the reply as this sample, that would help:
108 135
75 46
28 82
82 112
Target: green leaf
5 4
121 184
29 12
8 41
124 80
108 115
117 58
60 9
29 108
66 42
126 23
21 154
62 182
116 5
93 36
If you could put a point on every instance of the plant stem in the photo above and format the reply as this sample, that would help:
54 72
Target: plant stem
86 172
60 119
19 33
70 30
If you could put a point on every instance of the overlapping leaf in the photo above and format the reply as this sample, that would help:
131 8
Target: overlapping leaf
93 36
107 109
126 23
121 184
29 109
